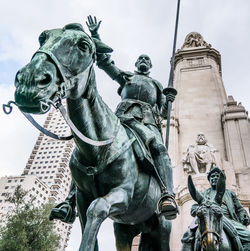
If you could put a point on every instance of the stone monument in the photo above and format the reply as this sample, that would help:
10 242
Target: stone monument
202 105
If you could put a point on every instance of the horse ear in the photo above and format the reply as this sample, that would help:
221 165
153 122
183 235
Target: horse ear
101 47
220 188
192 190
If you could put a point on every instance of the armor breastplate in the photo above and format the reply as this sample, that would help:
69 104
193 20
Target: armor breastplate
141 88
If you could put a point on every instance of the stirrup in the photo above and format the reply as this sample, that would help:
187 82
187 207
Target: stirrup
167 206
59 214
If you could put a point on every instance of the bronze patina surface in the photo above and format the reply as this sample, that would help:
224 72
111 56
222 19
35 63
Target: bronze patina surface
108 180
220 220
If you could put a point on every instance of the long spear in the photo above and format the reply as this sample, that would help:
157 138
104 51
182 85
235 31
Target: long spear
170 89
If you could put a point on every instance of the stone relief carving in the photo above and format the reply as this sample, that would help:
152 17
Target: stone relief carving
200 157
194 39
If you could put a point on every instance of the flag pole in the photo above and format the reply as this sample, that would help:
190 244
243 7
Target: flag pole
170 89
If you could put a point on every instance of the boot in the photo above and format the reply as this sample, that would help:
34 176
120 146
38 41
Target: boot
166 204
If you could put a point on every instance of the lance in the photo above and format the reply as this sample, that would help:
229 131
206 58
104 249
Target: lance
170 90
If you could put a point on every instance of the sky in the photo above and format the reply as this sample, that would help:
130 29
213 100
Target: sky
130 27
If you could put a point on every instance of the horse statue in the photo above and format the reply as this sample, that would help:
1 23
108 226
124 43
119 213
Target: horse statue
211 230
109 179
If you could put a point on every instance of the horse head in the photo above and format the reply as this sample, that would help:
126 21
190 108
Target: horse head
209 215
60 68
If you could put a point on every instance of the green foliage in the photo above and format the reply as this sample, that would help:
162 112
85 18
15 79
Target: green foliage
28 227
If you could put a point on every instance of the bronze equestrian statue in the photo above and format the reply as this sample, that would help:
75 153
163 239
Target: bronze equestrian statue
112 170
220 220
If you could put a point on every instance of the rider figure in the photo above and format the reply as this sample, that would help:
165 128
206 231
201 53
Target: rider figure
142 105
236 217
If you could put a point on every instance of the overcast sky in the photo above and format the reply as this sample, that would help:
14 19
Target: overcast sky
130 27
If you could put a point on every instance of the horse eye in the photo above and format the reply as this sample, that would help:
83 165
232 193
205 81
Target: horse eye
42 38
82 45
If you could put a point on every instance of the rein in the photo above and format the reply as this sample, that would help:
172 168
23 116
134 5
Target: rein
34 123
66 85
212 232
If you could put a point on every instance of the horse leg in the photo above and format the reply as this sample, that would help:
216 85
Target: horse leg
82 207
124 235
157 239
113 203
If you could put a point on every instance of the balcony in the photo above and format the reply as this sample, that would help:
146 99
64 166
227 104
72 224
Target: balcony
54 187
66 155
67 149
32 156
52 198
25 171
54 193
64 159
59 175
69 145
58 180
62 164
62 168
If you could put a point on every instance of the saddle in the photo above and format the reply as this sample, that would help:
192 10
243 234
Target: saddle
141 152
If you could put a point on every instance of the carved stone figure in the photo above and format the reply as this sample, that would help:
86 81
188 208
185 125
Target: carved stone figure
220 220
113 173
194 39
200 157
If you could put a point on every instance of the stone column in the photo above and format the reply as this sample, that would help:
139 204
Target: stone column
198 107
237 139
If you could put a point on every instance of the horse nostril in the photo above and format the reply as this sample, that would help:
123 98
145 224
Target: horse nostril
46 80
17 78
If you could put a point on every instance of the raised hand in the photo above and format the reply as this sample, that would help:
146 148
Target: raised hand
93 25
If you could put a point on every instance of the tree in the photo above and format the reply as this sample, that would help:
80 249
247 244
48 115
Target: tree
28 227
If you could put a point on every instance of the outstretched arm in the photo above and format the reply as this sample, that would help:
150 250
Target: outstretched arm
104 60
93 26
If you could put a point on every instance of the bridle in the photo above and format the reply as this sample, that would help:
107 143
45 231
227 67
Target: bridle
208 231
63 88
212 232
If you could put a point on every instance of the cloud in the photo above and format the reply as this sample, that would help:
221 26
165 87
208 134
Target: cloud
130 28
17 136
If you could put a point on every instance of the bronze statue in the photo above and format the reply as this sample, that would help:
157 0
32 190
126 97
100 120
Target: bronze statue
142 105
220 220
112 171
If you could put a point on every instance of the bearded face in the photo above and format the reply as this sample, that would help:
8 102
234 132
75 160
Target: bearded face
201 139
143 63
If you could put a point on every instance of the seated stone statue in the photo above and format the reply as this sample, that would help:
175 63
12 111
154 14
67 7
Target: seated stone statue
236 217
200 157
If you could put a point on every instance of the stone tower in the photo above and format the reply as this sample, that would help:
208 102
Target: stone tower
203 106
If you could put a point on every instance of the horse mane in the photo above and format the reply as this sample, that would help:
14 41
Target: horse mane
74 26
